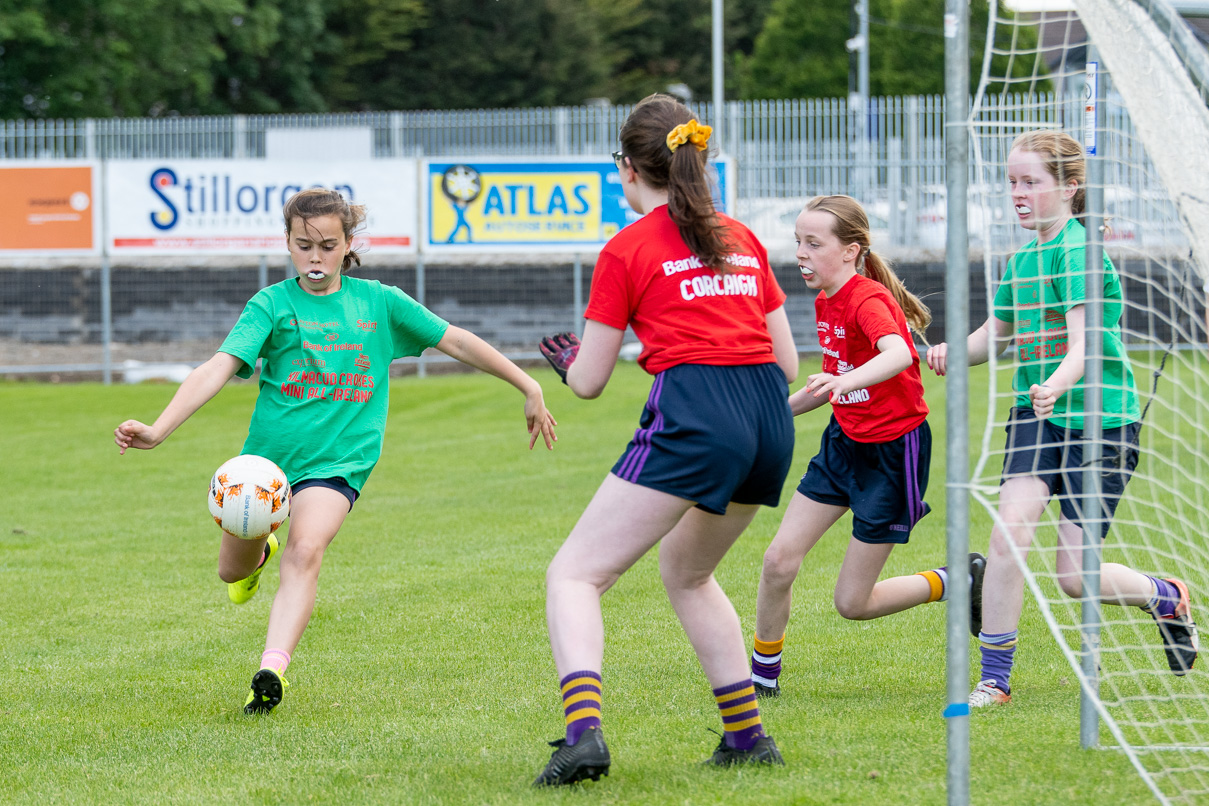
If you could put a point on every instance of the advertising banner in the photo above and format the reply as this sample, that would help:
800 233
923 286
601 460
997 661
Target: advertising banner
497 205
233 207
49 208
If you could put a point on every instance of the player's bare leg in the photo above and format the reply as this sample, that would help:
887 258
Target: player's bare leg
1165 599
805 522
1119 584
1022 501
858 594
237 558
688 556
621 523
316 515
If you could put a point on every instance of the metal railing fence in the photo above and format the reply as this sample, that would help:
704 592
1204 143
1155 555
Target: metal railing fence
787 150
64 318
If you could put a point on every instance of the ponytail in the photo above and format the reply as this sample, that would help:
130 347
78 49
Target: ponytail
917 314
653 139
691 205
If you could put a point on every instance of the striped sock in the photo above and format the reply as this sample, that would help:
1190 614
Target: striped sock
581 703
277 659
1164 600
938 581
766 661
740 715
998 652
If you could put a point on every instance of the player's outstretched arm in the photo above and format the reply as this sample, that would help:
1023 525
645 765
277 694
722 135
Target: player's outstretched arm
201 384
805 400
474 352
978 345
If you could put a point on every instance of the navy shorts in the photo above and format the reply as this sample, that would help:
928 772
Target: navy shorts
337 483
714 435
883 483
1054 454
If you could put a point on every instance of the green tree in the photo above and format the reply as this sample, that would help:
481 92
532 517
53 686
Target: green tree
483 53
670 42
275 56
801 52
913 59
372 35
63 58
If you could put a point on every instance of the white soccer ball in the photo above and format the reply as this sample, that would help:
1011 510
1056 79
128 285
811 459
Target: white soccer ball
249 497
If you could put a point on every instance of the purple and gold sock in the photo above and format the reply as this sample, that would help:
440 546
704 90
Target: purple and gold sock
740 715
998 652
1163 602
766 661
581 703
938 583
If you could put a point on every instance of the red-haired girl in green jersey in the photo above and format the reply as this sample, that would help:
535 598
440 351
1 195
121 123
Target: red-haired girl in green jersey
1040 305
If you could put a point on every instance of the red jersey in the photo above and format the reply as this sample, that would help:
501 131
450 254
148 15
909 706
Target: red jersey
849 324
681 310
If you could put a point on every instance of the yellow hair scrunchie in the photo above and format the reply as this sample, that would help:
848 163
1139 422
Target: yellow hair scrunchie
691 132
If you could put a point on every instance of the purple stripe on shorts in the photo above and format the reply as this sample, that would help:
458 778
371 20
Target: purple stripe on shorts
631 467
915 508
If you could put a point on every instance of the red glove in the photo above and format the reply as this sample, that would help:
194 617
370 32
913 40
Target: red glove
561 351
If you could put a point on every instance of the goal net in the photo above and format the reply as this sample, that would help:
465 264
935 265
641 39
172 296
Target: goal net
1153 144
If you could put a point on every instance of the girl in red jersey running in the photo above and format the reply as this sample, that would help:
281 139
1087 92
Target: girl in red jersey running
714 442
876 450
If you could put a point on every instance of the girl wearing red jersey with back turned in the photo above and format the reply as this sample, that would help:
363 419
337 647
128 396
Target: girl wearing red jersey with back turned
875 452
714 442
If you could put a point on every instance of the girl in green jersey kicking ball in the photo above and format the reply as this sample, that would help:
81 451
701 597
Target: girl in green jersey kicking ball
326 342
1040 304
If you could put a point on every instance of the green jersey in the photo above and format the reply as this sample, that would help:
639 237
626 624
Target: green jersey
324 380
1042 283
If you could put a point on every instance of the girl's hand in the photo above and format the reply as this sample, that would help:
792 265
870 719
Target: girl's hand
1043 399
540 422
824 383
133 434
938 358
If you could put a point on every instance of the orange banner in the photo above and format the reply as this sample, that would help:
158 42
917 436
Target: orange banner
46 208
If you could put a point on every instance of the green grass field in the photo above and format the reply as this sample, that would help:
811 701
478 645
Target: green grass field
425 676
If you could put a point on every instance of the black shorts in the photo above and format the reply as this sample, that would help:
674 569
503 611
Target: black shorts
883 483
713 435
337 483
1054 454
